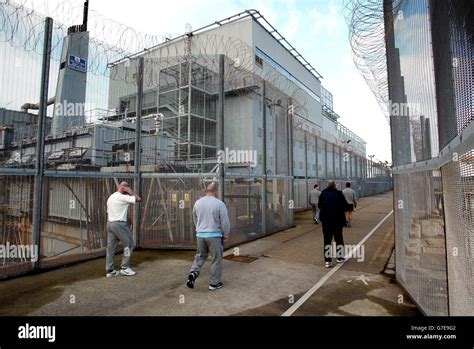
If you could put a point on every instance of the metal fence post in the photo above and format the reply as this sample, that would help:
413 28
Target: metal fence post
40 140
221 127
326 160
306 167
289 114
138 151
317 157
340 165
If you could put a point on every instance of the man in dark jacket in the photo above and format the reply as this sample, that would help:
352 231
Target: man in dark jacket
332 205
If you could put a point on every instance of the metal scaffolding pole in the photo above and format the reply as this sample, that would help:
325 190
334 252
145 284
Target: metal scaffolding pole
220 127
138 151
39 173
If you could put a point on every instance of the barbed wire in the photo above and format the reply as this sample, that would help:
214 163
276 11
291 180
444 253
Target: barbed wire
111 44
114 49
365 19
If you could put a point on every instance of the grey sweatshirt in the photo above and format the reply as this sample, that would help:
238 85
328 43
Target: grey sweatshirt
211 217
350 196
314 197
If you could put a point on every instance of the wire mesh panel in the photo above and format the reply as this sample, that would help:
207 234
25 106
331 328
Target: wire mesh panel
458 183
278 210
16 241
243 197
420 239
301 193
167 211
74 218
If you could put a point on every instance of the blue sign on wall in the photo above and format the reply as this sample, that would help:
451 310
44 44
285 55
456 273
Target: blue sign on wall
77 63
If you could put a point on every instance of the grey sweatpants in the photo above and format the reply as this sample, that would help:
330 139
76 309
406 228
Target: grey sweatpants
315 209
118 231
206 246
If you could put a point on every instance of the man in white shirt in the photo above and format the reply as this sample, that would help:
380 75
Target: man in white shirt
118 230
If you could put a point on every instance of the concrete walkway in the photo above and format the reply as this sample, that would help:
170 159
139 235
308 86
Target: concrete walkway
288 264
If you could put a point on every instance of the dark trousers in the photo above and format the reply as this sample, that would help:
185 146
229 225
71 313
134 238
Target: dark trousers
331 230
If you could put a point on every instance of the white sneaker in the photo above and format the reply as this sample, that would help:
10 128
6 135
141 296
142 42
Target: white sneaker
112 273
127 272
328 264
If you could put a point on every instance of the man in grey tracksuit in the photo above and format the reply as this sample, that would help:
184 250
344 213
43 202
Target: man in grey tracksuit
212 231
351 198
314 201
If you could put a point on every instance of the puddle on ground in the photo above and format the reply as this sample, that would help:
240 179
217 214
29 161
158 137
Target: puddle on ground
24 294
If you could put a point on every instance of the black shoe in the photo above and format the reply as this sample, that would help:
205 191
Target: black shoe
341 260
216 287
191 279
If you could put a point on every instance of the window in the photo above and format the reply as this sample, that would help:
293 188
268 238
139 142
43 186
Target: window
301 165
127 104
326 98
124 105
263 56
259 132
258 61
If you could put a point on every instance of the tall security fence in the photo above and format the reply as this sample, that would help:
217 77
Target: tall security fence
73 220
199 108
426 85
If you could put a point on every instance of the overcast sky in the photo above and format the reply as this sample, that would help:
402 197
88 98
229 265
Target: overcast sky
316 28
